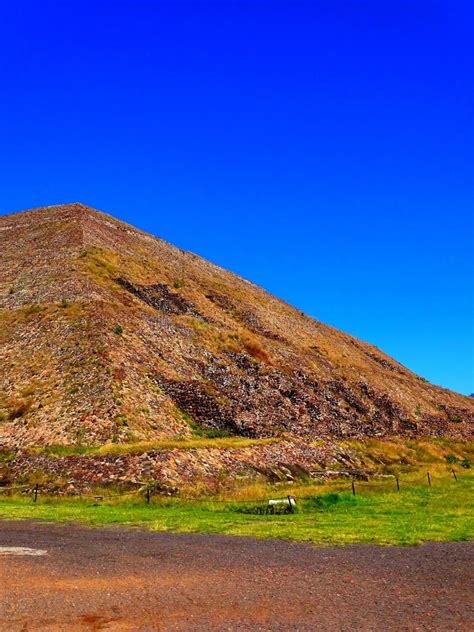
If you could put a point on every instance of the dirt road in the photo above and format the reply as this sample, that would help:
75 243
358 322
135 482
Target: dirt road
109 579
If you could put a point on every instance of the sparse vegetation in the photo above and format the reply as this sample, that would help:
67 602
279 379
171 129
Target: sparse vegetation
118 329
403 455
182 443
102 264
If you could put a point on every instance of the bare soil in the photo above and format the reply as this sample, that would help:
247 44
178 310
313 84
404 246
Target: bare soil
117 579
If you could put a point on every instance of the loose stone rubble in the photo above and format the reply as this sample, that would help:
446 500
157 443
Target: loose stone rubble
174 470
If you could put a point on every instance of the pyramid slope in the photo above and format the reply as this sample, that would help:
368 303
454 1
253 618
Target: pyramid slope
110 334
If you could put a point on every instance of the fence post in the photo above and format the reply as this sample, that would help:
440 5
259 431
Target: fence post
147 495
398 484
289 504
429 478
454 474
35 497
353 488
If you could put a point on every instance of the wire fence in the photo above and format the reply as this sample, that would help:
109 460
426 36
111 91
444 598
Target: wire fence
146 491
9 489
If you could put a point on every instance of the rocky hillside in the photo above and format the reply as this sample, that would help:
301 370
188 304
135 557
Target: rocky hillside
108 334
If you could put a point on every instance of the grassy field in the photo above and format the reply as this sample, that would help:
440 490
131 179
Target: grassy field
326 514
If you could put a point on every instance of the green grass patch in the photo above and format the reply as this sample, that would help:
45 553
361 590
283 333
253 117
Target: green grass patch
330 515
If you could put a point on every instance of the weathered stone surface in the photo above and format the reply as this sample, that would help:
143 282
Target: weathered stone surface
174 470
108 334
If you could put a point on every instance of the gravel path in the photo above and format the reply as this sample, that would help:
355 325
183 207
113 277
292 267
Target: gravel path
117 579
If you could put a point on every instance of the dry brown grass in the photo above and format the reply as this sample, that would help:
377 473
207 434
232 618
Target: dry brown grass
254 348
404 455
139 447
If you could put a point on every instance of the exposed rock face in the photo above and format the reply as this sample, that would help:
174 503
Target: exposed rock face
161 298
110 334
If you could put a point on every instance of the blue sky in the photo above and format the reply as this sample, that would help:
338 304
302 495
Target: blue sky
323 150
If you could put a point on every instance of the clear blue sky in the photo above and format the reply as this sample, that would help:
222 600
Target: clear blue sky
323 150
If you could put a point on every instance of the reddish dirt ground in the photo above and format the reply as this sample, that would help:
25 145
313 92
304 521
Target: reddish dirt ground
116 579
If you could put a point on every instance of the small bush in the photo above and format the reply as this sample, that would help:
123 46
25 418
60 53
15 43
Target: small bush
249 509
118 330
121 420
178 283
261 509
33 309
208 433
451 458
326 501
452 416
18 411
28 391
466 463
